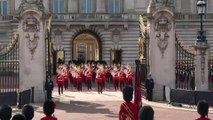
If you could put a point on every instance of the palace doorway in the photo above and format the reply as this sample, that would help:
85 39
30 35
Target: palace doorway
86 47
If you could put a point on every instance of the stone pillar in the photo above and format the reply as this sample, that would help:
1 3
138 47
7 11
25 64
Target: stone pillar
201 67
32 29
162 52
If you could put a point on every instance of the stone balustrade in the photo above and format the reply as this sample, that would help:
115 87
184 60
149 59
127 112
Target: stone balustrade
95 17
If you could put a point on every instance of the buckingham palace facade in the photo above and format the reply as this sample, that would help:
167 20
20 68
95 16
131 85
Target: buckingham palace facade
105 30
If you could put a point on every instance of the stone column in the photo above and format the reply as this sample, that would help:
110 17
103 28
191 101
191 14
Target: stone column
73 6
201 67
32 29
162 52
100 6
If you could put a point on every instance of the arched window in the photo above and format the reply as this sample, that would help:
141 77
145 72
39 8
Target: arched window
3 7
114 6
86 6
58 6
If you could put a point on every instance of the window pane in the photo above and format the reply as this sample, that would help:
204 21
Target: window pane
89 6
61 6
117 6
55 8
110 6
0 8
83 6
4 7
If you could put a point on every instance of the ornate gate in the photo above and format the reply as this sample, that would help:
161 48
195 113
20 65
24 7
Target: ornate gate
9 67
185 70
210 76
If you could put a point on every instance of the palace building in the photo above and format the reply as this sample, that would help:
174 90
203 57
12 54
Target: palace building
104 29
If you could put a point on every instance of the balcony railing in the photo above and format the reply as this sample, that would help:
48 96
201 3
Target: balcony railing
95 17
182 16
6 18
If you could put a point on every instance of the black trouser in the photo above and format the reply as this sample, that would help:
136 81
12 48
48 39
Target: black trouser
116 82
149 94
121 85
79 86
66 84
49 94
89 84
60 89
100 87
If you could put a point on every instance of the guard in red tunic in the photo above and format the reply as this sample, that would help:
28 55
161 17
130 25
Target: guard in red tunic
122 79
115 77
60 82
89 78
66 78
79 78
100 78
128 110
129 76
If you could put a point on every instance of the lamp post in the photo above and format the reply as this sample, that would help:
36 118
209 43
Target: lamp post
201 8
201 57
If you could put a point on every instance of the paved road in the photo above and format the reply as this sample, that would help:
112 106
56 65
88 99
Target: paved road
91 105
86 105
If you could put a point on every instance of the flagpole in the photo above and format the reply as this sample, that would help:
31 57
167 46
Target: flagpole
49 46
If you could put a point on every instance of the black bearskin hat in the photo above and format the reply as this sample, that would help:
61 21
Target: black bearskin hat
127 93
48 107
202 108
5 112
146 113
28 111
19 117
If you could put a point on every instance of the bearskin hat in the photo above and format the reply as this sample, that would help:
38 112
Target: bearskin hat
5 112
28 111
48 107
128 93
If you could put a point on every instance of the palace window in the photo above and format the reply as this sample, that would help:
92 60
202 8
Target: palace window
114 6
58 6
86 6
3 7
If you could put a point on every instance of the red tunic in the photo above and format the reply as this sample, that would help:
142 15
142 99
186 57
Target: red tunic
89 76
59 80
49 118
66 77
115 76
203 118
123 113
122 77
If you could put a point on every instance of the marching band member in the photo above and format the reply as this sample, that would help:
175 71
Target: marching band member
65 73
60 82
100 78
79 78
129 75
122 78
89 78
115 77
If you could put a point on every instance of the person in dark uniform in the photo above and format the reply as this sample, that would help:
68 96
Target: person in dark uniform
149 87
49 87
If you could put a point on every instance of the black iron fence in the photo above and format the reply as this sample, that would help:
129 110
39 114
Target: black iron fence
210 76
9 67
185 76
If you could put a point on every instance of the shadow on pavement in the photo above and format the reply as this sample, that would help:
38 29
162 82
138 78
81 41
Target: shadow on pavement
85 108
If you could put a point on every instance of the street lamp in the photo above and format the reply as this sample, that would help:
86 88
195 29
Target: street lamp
201 8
